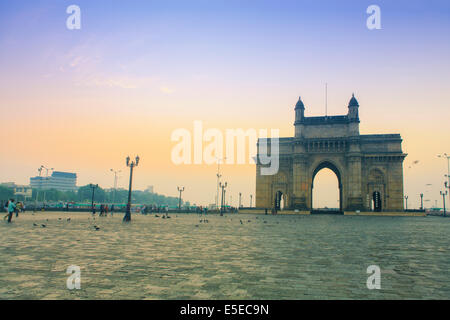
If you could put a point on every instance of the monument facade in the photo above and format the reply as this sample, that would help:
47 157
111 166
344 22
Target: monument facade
369 168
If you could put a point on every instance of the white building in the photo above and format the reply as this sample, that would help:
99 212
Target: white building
63 181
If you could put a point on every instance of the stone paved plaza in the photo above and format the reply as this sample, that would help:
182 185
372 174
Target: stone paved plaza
265 257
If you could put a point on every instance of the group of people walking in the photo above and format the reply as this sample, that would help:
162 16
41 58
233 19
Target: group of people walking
104 209
12 207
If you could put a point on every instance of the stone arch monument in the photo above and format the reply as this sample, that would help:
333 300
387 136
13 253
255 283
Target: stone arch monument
369 168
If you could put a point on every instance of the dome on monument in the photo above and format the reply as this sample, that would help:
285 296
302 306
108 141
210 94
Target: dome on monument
299 104
353 102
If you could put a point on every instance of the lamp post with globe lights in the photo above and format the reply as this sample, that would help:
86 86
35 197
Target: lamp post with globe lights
180 190
223 186
443 194
93 187
46 179
132 164
116 172
421 201
448 171
218 175
37 190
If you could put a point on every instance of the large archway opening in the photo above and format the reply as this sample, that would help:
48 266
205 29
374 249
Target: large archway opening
376 190
280 200
326 189
376 201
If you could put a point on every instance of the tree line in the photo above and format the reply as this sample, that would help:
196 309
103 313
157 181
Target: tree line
84 194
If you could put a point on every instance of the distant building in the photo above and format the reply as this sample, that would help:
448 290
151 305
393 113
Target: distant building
8 184
63 181
21 192
149 189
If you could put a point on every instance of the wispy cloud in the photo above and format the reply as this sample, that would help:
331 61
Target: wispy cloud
116 81
166 90
87 66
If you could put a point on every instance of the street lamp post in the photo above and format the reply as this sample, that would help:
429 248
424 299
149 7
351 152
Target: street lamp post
131 164
37 191
448 170
93 187
223 186
240 195
46 179
406 198
443 194
421 201
180 190
251 198
218 179
115 183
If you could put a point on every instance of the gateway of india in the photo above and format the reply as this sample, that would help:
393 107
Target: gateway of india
369 168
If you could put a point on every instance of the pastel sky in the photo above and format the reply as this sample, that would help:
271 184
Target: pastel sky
82 100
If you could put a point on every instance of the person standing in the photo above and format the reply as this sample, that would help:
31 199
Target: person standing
18 208
11 209
5 207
